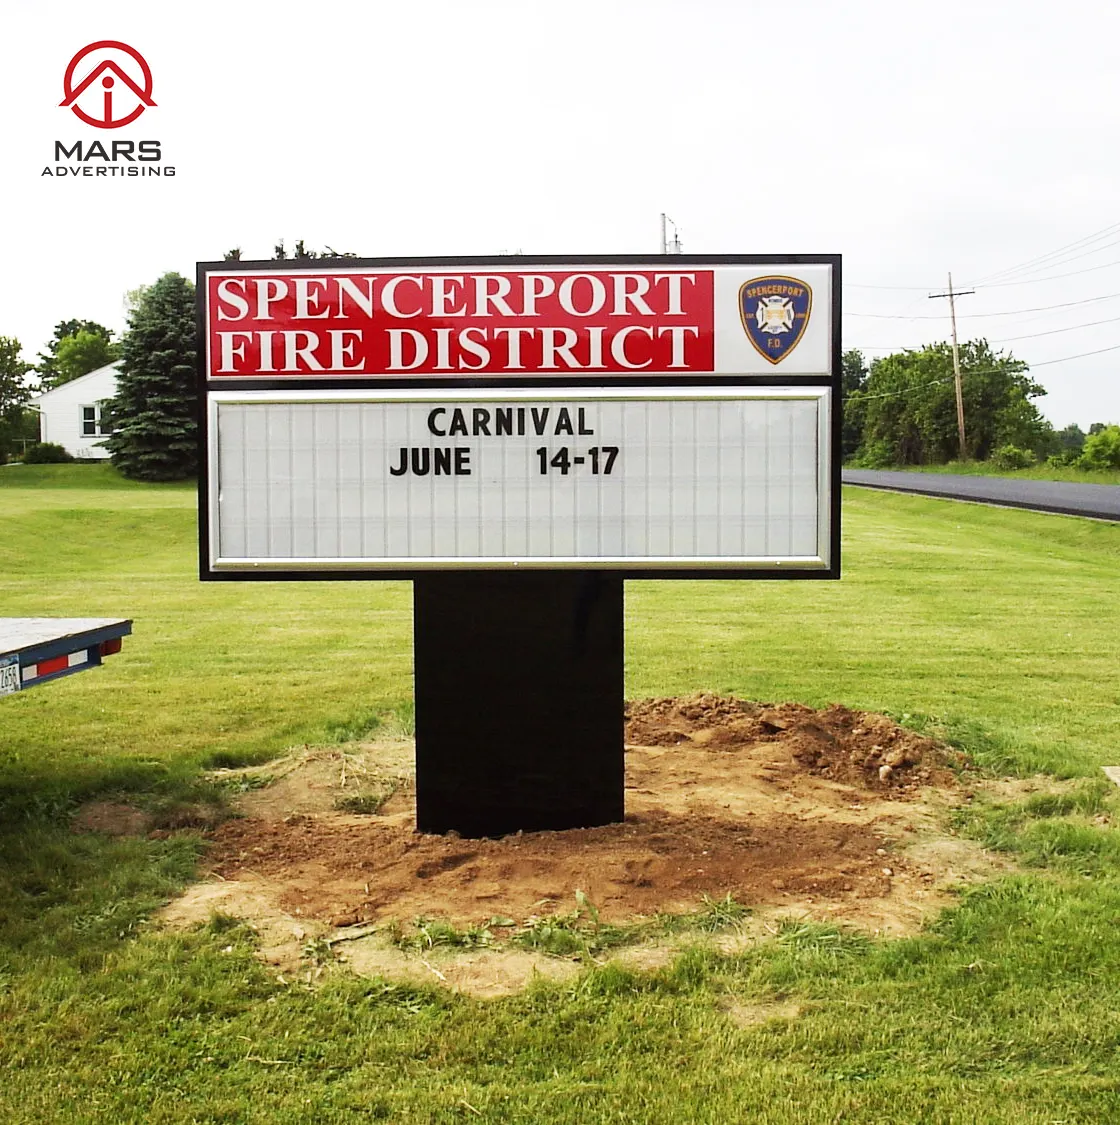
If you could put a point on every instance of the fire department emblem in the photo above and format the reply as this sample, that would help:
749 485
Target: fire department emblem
775 312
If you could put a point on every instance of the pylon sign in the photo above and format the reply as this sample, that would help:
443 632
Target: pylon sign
652 417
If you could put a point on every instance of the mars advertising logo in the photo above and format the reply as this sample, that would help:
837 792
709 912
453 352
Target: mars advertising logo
107 85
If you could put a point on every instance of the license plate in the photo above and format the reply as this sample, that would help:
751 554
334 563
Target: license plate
9 674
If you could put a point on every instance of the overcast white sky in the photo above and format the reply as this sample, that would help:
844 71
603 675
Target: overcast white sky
914 138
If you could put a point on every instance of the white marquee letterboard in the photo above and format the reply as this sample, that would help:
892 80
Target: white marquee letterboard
674 477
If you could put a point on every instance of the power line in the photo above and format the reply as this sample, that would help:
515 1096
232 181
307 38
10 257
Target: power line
1055 331
1008 312
915 288
1070 252
1096 236
1063 255
1052 277
1064 260
916 387
1003 340
1080 355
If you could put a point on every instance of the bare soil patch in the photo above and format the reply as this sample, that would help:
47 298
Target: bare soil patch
829 814
743 1014
118 818
112 818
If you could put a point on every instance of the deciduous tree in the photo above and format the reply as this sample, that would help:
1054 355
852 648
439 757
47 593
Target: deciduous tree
910 405
300 254
82 353
1071 438
14 393
50 371
854 380
1102 449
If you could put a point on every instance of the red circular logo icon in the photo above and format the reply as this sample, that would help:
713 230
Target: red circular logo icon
111 72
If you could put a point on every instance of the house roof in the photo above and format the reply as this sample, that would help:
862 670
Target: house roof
89 375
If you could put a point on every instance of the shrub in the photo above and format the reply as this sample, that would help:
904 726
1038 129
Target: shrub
877 454
46 453
1063 459
1102 449
1012 457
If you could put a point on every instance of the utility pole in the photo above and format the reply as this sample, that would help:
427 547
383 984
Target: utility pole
668 247
956 356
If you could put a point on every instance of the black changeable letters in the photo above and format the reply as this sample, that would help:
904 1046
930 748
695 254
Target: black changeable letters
438 461
508 421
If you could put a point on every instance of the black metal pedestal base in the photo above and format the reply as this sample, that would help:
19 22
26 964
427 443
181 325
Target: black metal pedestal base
518 701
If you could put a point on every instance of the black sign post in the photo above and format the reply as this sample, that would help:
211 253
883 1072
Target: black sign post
519 695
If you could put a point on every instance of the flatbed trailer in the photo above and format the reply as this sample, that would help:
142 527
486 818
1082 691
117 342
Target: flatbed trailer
35 650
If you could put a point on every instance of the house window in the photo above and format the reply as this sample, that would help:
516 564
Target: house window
96 421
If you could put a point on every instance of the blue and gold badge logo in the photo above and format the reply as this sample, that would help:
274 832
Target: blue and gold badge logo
775 312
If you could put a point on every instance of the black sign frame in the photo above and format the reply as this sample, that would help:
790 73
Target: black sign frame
515 262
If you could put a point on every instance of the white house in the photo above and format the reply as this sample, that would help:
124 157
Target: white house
72 415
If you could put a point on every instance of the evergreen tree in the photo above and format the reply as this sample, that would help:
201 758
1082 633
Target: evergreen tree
156 407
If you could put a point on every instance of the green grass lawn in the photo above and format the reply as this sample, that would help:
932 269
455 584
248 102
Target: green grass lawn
998 628
1035 472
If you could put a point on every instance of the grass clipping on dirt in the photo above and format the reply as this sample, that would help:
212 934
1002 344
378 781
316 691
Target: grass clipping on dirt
733 809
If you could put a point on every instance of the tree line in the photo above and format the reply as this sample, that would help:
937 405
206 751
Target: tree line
153 415
901 409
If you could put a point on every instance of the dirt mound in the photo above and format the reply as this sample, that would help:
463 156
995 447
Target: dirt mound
831 814
858 747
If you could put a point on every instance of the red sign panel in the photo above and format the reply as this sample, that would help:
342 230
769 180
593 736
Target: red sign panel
405 324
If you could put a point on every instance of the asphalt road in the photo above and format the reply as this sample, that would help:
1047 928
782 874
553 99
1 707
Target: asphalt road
1101 501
